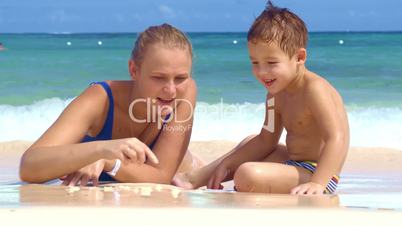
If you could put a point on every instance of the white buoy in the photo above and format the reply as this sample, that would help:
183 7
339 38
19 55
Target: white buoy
100 43
69 43
234 41
341 42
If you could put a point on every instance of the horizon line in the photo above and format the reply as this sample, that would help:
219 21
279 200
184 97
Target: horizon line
195 32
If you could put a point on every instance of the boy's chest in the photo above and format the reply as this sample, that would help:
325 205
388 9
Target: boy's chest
295 115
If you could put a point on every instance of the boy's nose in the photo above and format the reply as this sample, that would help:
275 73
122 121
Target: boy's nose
263 71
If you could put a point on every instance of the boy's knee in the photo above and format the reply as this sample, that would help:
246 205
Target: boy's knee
246 177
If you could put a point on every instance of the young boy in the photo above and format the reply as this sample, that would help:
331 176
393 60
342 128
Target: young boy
302 102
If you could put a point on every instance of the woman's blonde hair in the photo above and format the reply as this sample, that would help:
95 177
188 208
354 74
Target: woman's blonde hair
165 34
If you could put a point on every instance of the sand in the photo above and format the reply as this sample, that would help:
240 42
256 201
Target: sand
370 191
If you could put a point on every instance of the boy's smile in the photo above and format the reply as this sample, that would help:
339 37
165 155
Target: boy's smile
269 82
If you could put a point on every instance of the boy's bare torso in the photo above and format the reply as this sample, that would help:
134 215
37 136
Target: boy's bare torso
304 140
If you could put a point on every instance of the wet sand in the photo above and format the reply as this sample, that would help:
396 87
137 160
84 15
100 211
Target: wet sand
154 204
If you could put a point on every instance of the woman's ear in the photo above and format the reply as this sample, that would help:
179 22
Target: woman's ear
301 56
133 69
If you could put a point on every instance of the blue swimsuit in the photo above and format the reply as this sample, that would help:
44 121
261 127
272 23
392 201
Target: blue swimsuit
106 132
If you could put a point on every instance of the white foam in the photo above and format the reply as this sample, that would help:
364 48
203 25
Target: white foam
370 127
28 122
227 121
376 127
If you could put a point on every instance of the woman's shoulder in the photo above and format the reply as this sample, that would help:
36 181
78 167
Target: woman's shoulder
94 93
94 99
98 91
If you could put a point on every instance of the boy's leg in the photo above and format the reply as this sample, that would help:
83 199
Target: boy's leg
279 155
199 177
269 177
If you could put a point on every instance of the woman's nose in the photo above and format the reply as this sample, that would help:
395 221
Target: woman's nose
170 88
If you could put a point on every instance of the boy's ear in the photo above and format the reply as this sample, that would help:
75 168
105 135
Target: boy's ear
133 69
301 56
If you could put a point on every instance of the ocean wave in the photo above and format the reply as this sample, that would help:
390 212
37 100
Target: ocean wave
28 122
369 126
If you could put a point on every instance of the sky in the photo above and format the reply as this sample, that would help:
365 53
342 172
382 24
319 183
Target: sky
77 16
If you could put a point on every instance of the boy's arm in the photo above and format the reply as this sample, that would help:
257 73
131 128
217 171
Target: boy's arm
329 113
264 143
255 149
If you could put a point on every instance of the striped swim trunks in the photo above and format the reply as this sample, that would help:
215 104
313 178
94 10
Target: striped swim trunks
311 166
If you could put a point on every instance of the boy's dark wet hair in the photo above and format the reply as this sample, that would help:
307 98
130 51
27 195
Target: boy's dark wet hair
279 25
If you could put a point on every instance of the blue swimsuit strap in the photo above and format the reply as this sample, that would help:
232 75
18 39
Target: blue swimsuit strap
151 146
106 132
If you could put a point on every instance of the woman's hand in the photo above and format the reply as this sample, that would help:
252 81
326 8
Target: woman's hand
85 175
127 150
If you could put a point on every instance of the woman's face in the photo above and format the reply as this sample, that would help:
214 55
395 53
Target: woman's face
163 75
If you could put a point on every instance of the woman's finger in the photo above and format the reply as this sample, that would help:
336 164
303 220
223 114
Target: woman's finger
130 154
151 156
84 180
148 153
95 180
139 149
68 179
75 179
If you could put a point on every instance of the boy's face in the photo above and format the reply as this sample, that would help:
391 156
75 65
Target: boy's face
272 66
164 74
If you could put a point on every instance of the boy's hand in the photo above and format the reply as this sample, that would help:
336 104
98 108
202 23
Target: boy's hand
309 188
221 172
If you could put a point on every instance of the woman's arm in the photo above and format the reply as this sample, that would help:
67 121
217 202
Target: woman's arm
58 151
170 147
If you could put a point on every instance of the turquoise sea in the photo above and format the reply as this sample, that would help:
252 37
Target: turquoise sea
41 73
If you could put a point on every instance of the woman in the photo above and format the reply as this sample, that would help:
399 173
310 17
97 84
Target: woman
112 126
